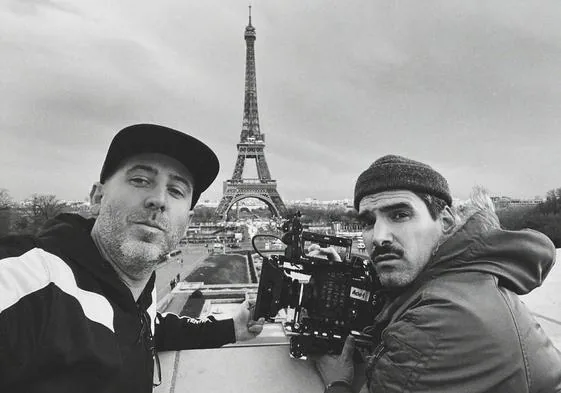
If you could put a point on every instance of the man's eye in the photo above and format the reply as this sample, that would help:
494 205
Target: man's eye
139 181
400 215
176 192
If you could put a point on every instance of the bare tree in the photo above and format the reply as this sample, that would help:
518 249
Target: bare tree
5 199
6 204
552 202
37 210
45 207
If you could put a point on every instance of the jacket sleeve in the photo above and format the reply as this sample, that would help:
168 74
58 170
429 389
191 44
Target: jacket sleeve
17 340
177 333
12 362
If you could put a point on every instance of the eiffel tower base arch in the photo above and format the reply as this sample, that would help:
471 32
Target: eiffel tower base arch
236 191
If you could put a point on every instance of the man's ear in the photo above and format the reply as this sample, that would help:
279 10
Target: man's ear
448 220
190 216
95 198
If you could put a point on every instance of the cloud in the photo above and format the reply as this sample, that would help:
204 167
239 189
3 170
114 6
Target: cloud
35 7
470 87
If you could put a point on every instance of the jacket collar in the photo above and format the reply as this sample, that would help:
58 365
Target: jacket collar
69 235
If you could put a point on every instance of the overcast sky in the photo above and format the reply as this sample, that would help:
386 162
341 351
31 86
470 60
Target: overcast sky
471 87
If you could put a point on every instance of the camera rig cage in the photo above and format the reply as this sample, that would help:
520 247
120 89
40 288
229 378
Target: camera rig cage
329 299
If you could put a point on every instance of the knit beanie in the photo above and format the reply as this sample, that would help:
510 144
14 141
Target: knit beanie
393 172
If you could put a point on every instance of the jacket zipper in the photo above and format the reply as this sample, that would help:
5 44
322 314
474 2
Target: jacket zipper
145 336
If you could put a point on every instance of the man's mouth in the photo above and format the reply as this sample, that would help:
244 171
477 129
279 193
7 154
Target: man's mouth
151 224
385 257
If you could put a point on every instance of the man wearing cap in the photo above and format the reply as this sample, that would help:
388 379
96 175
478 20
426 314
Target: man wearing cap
452 321
77 302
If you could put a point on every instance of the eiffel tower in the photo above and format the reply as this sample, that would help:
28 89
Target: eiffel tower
251 146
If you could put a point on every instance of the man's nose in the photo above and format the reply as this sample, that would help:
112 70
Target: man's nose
157 199
381 234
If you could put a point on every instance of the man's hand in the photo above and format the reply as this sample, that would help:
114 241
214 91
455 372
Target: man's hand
316 251
338 368
244 327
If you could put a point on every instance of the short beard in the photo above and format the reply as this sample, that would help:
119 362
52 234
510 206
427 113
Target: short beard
394 280
137 258
140 258
398 279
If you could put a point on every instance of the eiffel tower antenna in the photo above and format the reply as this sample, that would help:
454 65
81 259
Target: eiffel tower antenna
251 146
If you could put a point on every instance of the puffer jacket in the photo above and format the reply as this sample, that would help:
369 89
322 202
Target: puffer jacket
69 324
461 327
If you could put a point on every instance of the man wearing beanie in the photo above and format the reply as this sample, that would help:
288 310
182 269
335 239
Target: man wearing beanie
452 321
78 302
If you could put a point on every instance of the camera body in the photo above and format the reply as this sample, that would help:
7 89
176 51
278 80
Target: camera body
328 299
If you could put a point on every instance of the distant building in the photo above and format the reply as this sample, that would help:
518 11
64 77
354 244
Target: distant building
350 230
313 202
79 207
502 202
208 203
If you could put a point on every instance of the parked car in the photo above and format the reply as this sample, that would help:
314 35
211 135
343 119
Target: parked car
175 253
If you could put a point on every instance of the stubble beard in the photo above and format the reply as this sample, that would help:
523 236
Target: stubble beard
136 256
396 276
392 279
401 275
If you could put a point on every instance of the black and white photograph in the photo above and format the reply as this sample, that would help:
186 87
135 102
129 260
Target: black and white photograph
280 196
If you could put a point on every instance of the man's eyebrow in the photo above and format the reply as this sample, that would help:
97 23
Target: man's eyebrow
368 214
142 167
395 206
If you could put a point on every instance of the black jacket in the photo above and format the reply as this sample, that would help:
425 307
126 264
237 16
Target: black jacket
69 324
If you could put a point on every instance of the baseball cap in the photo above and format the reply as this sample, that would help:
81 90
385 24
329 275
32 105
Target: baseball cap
197 157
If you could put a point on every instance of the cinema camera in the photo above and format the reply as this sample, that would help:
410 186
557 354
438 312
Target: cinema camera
325 300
